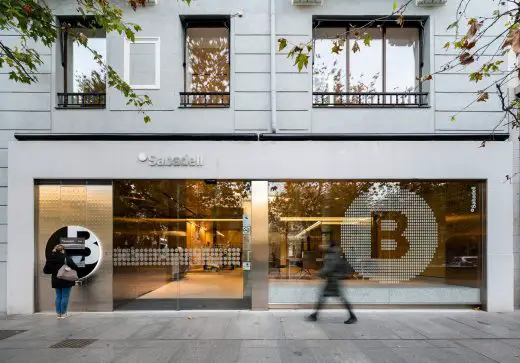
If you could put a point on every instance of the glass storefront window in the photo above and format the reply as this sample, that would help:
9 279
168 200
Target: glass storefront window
179 244
407 241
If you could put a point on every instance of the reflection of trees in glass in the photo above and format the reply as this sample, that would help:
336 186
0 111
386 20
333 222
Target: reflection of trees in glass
155 202
188 199
93 83
361 86
459 228
309 199
328 77
208 65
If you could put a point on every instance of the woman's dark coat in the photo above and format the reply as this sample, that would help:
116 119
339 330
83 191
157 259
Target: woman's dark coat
331 273
53 265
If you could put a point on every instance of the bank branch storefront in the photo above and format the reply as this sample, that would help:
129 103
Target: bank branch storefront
238 225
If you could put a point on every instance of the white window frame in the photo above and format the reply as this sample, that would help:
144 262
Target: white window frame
144 40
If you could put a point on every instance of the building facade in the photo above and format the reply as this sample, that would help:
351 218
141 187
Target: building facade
249 165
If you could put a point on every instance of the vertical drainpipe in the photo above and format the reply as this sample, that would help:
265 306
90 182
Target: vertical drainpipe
273 67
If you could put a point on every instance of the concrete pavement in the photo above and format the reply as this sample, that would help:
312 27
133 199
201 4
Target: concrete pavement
272 336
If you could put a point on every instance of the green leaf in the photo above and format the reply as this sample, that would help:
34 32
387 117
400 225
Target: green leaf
476 76
302 60
147 119
453 118
282 44
453 25
367 39
395 5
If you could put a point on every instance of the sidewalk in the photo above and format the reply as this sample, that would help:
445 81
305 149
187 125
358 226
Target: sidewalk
273 336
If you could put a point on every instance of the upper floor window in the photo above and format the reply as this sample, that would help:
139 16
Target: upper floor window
81 79
383 71
206 63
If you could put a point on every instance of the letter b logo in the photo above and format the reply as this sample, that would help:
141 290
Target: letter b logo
392 241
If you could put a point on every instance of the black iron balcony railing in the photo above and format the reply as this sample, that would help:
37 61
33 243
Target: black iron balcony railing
368 99
82 100
204 99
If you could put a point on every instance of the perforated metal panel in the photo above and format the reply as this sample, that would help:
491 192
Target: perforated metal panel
76 209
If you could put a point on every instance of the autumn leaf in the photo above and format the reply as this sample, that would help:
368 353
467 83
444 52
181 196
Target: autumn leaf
355 47
337 47
513 40
428 77
466 58
82 38
474 27
400 20
470 45
27 9
447 45
282 44
483 97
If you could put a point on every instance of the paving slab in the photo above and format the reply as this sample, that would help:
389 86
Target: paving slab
493 349
393 336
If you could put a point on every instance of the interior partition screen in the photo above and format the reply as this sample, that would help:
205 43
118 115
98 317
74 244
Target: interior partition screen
408 242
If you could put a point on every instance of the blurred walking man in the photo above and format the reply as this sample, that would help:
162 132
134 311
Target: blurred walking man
334 270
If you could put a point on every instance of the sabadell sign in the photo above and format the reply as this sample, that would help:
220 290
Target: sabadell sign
177 161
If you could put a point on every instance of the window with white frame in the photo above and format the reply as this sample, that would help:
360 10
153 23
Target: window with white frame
142 63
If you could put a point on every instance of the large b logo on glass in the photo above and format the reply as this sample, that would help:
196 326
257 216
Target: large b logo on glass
86 257
391 239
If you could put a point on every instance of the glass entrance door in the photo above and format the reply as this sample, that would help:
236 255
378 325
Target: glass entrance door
181 244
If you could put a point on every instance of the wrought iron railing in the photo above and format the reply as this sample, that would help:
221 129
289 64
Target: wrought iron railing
204 99
368 99
82 100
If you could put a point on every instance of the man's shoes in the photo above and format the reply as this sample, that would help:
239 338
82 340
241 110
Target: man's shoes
312 317
351 320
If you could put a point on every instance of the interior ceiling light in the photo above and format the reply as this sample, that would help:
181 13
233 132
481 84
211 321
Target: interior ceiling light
172 220
328 220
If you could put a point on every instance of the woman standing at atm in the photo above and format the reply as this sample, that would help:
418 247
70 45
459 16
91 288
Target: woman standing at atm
54 263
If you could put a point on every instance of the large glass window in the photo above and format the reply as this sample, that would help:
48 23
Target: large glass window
81 79
384 72
206 64
180 244
407 241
